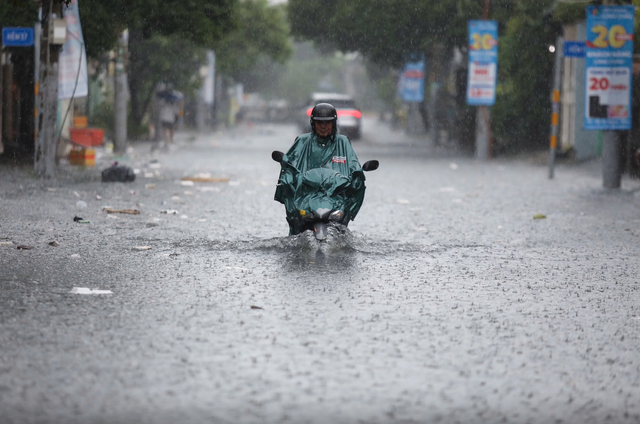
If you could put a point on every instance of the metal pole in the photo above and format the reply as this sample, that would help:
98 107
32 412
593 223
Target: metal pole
555 105
484 140
611 170
120 97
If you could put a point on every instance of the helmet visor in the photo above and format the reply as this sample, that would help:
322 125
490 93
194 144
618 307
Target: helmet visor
323 118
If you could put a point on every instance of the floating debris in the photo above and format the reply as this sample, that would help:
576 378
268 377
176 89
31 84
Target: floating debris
205 179
127 211
86 290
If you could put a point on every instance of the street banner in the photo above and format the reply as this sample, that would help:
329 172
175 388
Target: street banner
73 58
609 60
412 82
483 63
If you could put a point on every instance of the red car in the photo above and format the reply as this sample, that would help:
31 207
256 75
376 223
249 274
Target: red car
349 116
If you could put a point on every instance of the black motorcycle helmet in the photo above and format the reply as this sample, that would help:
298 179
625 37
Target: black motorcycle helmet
324 112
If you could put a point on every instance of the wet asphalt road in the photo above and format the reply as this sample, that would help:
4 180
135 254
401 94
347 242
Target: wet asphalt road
447 302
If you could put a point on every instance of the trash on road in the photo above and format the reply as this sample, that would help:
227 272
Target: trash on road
81 204
98 197
54 243
127 211
208 188
169 211
6 243
150 186
118 173
256 307
80 220
86 290
141 248
75 193
75 255
205 179
187 183
24 247
539 216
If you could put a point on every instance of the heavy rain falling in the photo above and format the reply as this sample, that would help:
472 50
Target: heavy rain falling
319 212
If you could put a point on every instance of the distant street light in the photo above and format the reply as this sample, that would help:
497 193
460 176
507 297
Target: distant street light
552 49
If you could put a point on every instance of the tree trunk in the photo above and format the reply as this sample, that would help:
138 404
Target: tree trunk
138 106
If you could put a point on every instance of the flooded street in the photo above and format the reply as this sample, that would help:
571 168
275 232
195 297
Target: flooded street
446 301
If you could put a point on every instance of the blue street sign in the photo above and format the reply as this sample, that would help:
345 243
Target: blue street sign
17 37
574 48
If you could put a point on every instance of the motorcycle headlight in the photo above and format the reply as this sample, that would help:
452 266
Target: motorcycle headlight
336 216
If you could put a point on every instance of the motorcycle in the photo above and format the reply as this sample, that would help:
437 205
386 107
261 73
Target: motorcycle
323 201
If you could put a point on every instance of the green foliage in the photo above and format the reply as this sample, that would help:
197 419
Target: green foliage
568 13
161 59
203 22
18 13
521 115
262 31
103 117
167 38
388 32
305 73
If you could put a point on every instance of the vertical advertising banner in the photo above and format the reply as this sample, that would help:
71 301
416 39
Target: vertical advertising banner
483 63
609 59
73 59
412 82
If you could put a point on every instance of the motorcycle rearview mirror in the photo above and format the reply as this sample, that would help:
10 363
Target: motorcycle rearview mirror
277 156
370 165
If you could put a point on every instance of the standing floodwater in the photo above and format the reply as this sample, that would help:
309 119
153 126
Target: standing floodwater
444 301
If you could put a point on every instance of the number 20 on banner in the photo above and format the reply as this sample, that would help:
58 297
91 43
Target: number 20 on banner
482 42
614 37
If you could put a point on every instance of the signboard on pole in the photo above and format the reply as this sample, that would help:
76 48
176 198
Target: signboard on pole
483 63
574 49
412 82
72 73
17 37
609 60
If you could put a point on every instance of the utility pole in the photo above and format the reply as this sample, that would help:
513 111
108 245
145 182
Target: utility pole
47 89
611 167
555 105
484 139
120 95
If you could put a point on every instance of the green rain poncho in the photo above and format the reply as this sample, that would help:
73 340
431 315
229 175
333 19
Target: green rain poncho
320 173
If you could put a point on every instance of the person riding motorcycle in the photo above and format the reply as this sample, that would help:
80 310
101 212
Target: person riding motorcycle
320 169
